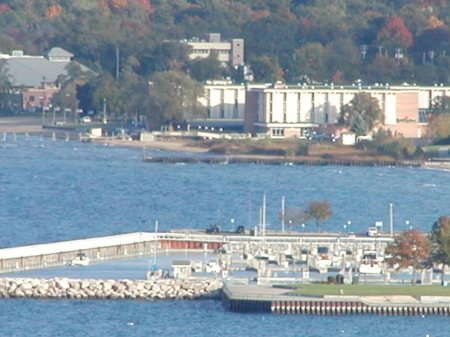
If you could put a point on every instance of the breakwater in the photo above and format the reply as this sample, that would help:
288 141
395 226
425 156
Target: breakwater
163 289
279 161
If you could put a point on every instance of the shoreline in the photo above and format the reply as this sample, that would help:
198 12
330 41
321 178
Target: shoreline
33 125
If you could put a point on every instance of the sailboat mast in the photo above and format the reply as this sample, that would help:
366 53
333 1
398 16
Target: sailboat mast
156 242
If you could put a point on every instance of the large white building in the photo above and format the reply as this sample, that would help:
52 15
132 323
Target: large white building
295 111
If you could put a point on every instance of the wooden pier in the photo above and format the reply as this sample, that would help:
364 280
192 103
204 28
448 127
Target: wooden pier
278 161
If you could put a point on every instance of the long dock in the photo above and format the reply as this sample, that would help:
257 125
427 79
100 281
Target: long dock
266 299
143 244
278 161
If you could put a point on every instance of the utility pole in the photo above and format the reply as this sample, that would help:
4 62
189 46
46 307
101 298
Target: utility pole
391 219
364 51
282 214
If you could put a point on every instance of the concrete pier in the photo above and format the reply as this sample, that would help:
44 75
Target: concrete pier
267 299
143 244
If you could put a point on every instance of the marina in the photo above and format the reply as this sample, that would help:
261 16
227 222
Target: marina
49 198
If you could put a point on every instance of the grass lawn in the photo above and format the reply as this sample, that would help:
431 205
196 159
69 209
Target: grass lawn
372 290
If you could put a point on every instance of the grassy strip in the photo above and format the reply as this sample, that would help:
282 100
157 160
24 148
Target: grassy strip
372 290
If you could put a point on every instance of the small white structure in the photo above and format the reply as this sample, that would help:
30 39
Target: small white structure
348 138
181 269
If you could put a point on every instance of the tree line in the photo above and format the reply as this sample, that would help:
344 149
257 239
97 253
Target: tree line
381 41
418 250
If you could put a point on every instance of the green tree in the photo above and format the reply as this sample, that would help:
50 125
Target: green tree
439 126
411 248
174 97
440 238
362 114
320 211
266 69
441 105
311 61
206 69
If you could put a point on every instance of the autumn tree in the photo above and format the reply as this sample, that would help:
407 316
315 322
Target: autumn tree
362 114
411 249
440 238
394 34
294 216
320 211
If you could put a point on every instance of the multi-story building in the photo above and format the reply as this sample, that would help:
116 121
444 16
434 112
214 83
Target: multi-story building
230 51
295 111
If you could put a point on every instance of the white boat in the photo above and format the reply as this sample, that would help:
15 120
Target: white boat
80 260
212 267
370 263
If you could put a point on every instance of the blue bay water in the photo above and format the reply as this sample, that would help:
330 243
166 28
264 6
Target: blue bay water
56 190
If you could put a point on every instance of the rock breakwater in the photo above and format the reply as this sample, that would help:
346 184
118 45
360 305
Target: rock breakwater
162 289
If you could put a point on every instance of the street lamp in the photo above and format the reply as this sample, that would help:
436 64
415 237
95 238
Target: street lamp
348 225
232 222
104 111
407 224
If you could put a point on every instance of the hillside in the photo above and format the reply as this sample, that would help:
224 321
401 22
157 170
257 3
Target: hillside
133 44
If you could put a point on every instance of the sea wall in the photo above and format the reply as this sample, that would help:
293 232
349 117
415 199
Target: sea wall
162 289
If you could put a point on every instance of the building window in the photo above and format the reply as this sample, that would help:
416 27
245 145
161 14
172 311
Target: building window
278 132
31 99
222 113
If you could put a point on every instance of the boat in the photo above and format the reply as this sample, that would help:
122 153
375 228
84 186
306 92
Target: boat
370 263
212 266
156 273
80 260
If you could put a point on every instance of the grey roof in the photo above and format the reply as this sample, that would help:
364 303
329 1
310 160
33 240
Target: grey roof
30 71
57 51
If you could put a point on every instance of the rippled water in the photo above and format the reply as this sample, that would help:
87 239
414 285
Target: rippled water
56 190
205 318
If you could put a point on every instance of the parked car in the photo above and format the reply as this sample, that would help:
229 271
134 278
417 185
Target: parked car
322 137
372 231
213 229
86 119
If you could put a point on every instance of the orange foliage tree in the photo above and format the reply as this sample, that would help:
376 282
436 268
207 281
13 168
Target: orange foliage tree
411 249
395 34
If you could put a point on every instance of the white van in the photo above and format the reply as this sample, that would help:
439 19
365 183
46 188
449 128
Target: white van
372 231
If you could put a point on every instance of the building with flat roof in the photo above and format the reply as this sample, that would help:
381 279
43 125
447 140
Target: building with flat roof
283 111
229 51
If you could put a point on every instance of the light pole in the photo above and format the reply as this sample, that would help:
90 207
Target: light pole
407 224
348 226
232 222
104 111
